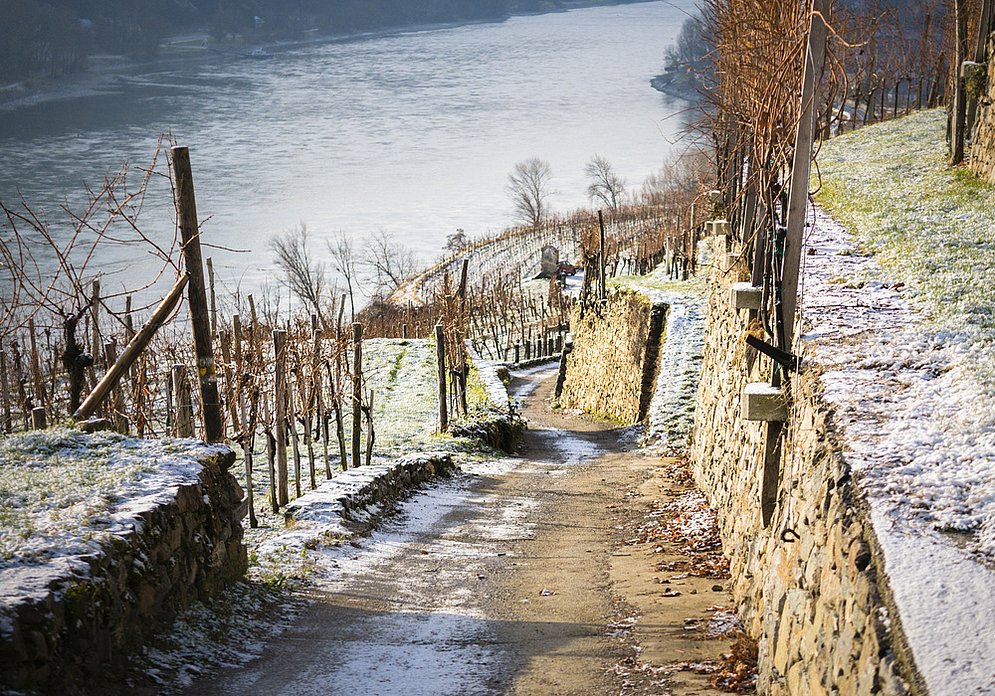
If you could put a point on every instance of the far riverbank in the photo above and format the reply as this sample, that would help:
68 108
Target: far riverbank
104 70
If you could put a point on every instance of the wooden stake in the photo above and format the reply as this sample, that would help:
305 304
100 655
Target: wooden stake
280 417
802 167
186 212
5 393
214 303
440 354
292 432
357 391
183 418
95 322
370 434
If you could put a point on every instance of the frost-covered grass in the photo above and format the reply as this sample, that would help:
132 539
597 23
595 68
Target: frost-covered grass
62 491
403 377
660 280
929 225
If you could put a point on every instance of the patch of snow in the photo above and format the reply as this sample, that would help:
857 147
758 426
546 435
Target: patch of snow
64 492
671 411
919 434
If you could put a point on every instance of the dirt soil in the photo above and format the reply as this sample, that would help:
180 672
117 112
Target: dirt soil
555 572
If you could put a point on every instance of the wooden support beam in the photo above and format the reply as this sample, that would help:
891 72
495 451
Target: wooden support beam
131 352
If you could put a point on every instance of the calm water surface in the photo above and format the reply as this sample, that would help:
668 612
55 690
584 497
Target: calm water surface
412 133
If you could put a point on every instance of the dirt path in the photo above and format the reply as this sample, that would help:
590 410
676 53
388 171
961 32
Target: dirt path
509 578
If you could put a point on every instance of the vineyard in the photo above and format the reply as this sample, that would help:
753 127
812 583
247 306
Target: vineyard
303 393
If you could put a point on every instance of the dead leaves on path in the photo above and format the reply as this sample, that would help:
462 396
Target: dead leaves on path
683 523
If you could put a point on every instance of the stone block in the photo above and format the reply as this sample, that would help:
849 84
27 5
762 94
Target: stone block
763 402
745 296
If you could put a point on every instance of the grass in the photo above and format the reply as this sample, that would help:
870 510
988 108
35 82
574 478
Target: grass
930 226
660 280
60 488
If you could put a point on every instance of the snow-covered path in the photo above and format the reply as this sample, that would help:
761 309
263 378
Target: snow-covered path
435 602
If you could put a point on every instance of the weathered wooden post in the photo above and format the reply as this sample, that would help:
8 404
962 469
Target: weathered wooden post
280 416
602 286
38 420
440 355
959 115
357 392
797 202
214 300
5 395
371 435
95 322
186 213
183 408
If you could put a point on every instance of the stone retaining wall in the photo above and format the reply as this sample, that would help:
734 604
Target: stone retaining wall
611 370
73 620
807 584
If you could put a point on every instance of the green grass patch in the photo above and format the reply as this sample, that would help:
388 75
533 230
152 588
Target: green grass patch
930 226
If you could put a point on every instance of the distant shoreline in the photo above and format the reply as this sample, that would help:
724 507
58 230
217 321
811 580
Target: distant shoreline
105 70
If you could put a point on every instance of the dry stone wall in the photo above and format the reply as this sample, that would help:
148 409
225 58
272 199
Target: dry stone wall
64 635
981 80
611 369
807 584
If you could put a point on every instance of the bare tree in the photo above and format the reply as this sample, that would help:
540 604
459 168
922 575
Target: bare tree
388 261
457 241
605 184
528 188
344 263
302 274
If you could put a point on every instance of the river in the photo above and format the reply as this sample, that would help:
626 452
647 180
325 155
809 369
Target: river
412 133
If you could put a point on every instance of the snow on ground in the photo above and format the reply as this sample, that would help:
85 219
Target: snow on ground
671 412
62 491
919 433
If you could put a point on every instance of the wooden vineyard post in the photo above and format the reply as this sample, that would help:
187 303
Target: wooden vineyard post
797 204
39 382
209 262
357 392
186 213
280 418
440 352
5 393
183 414
959 115
292 432
801 168
602 286
95 322
371 435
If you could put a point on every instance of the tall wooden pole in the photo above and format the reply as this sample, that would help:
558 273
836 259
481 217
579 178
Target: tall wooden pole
602 286
357 392
280 416
801 167
959 115
186 213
